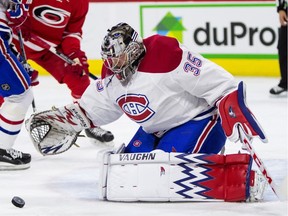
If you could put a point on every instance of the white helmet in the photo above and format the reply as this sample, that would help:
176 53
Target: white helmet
122 49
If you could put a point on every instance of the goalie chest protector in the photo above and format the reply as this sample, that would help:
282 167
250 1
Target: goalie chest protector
160 176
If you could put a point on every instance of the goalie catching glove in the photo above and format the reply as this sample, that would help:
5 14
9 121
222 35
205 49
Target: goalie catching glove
234 112
55 131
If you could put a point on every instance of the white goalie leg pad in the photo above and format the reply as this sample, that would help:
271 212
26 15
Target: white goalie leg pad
160 176
104 163
257 187
123 178
102 185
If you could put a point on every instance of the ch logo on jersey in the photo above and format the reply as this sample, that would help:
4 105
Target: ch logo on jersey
51 16
136 107
99 85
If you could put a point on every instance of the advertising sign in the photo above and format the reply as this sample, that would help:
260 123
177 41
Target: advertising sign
239 29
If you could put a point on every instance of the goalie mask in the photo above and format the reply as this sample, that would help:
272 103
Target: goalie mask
122 49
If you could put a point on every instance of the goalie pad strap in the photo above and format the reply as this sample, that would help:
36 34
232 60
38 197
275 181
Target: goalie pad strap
159 176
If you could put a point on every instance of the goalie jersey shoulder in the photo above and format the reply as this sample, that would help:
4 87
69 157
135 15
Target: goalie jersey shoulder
163 54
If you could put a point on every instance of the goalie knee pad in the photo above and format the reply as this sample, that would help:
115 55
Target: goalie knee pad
160 176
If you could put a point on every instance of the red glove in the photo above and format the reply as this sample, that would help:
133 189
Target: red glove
81 65
17 14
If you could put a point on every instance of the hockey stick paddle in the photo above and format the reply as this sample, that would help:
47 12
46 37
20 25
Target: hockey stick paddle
39 42
281 194
23 54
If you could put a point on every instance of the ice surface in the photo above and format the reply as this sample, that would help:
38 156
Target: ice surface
66 184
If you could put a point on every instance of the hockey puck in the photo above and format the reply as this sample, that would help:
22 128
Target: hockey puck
18 202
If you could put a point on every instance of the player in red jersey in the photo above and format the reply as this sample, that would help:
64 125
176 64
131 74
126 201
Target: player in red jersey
59 24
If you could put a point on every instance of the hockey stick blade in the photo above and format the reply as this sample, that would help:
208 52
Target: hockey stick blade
279 191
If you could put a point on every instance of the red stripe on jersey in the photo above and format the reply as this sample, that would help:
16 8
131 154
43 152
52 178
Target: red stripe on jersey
4 22
204 134
11 122
13 65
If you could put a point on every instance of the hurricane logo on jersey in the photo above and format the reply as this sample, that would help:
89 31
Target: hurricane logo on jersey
136 107
51 16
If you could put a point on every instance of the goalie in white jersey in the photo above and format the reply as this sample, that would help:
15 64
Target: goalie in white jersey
169 90
182 102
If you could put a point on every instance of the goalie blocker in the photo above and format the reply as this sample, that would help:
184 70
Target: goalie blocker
160 176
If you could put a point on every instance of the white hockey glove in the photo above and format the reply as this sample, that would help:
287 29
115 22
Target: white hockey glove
55 131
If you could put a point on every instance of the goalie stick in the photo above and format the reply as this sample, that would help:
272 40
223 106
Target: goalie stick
39 42
281 194
23 54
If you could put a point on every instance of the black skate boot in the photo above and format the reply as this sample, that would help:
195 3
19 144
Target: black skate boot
99 134
11 159
277 90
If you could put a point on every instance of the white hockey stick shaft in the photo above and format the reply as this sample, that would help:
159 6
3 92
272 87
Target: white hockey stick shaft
246 141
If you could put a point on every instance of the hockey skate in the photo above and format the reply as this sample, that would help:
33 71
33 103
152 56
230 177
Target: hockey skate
99 134
257 187
277 90
11 159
